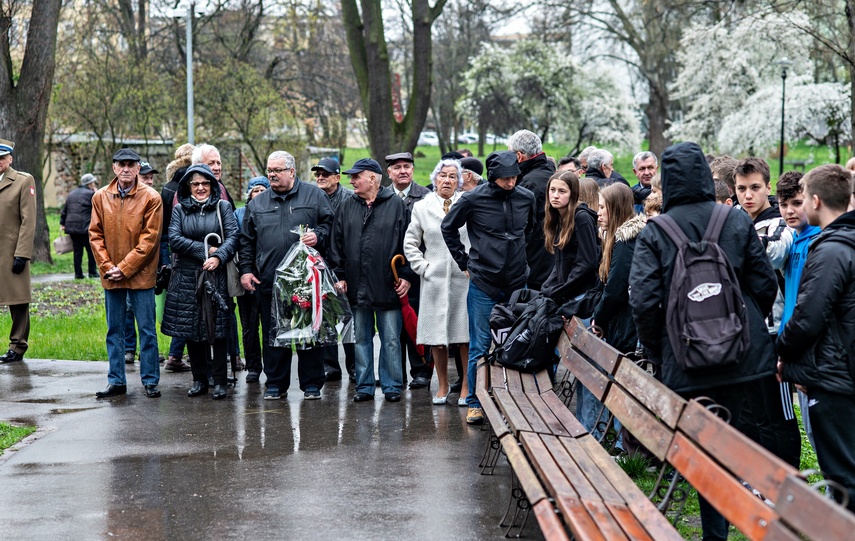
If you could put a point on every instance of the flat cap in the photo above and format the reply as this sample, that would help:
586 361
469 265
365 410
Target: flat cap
126 154
400 156
474 165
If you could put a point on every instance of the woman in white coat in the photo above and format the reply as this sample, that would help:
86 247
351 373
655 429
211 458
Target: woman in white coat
442 310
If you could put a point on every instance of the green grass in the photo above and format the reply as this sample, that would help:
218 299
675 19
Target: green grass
11 434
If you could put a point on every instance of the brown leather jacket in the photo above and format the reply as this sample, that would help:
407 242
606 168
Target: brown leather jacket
125 232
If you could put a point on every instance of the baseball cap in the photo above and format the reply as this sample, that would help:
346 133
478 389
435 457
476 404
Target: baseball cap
329 165
365 164
146 168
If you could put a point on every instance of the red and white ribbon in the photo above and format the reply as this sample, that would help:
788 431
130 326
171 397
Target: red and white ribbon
315 264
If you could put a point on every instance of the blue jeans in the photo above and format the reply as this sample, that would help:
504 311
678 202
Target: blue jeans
478 307
142 302
130 331
389 325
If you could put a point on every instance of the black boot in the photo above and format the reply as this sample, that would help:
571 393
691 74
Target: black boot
199 388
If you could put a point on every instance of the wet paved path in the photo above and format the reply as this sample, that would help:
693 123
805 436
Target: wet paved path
242 468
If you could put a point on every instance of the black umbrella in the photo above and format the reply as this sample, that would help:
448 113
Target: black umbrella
208 298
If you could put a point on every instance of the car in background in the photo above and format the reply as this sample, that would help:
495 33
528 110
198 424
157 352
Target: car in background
491 139
428 138
468 138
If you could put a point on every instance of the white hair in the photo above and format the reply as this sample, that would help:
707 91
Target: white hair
200 152
598 158
586 152
527 142
446 163
290 163
644 155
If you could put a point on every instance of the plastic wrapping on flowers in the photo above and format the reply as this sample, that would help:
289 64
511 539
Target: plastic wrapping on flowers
308 311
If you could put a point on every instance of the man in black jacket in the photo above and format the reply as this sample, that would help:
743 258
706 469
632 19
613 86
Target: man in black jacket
265 238
689 198
74 220
399 167
368 232
601 169
817 344
499 217
535 171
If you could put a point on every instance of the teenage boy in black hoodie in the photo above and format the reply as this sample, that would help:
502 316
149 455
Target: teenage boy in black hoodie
770 419
817 346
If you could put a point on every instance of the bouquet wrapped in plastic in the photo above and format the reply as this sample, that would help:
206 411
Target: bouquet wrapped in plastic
308 311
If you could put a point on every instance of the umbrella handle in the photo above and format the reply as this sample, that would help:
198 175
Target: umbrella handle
209 235
395 259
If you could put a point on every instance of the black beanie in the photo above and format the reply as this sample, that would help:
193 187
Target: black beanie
502 164
473 164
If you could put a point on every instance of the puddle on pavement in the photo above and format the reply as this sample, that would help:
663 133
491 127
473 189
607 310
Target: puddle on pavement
39 401
60 411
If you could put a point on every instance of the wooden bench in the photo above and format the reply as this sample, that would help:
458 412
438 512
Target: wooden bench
716 459
560 472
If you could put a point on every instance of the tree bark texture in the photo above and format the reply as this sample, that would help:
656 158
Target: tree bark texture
369 55
24 102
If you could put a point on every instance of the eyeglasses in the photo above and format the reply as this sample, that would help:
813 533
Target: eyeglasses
198 184
277 171
322 174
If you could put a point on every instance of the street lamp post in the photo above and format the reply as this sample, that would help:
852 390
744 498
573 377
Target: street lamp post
191 138
785 64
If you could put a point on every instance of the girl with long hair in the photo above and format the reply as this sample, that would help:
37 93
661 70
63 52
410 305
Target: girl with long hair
570 232
621 227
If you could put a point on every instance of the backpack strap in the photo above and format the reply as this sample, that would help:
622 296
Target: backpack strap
672 229
719 216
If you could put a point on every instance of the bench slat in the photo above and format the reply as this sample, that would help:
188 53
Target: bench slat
592 472
742 508
778 532
655 522
547 469
576 516
568 420
595 349
662 401
494 416
565 462
746 459
529 384
544 384
593 379
497 376
640 422
548 416
605 522
513 380
810 512
528 480
628 522
528 411
549 522
516 420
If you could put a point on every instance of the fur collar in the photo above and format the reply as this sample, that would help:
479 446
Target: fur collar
631 228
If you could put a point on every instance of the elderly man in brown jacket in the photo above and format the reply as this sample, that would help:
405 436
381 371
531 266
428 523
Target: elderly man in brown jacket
125 237
18 227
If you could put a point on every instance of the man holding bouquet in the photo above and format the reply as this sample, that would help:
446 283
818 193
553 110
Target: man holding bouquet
265 237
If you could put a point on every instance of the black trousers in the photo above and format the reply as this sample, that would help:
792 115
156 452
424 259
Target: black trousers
765 419
80 241
713 524
277 361
248 310
20 331
331 364
201 361
831 417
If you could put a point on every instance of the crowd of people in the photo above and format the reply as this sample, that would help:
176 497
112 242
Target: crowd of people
572 229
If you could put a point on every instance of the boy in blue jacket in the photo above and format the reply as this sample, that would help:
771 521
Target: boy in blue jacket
791 201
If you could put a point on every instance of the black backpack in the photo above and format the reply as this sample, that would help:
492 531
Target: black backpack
531 342
706 318
504 315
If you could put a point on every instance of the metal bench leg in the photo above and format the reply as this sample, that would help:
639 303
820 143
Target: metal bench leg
516 493
491 455
669 492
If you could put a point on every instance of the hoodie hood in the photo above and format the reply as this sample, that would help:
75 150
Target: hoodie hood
582 207
631 228
686 177
184 183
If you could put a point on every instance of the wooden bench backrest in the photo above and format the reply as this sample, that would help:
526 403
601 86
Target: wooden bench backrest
592 347
812 513
585 373
741 456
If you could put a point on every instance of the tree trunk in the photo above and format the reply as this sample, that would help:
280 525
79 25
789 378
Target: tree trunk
366 42
24 103
657 118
